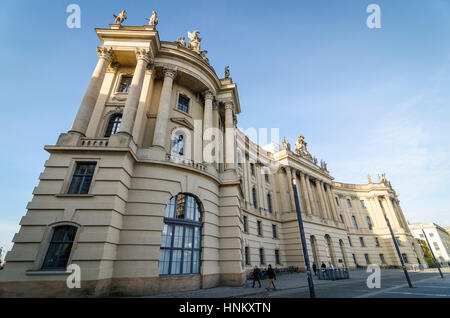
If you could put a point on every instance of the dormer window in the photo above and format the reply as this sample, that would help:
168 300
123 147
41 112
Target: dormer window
183 103
125 84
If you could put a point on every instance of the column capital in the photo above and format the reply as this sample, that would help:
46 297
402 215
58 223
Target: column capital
208 95
105 53
144 55
169 72
229 105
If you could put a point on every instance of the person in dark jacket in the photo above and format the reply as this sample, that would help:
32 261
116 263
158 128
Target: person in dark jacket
256 275
272 276
314 267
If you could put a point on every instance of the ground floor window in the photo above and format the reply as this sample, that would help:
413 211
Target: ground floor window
58 252
181 237
277 257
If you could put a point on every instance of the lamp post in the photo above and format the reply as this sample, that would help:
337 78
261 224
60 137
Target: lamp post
302 236
398 251
432 253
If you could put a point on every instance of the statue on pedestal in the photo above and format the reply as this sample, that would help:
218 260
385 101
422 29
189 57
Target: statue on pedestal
301 147
122 16
194 41
153 20
369 178
227 71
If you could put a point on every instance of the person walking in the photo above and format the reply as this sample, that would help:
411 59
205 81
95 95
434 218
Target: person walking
314 267
256 275
324 269
272 276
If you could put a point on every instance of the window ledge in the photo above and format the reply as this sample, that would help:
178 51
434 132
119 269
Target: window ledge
74 195
43 273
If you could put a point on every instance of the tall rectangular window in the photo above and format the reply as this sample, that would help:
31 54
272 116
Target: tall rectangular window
363 205
259 227
245 224
383 261
252 169
269 202
337 200
349 203
361 239
82 178
247 256
405 258
125 84
349 241
377 242
274 230
367 258
354 222
255 204
261 256
277 257
266 176
183 103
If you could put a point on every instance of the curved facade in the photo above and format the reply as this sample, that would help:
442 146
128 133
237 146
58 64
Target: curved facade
162 193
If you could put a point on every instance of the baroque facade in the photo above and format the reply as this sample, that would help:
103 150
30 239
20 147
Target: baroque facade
155 190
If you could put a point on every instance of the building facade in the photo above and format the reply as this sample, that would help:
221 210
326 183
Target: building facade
153 189
438 238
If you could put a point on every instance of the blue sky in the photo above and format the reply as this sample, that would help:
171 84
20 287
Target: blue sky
366 100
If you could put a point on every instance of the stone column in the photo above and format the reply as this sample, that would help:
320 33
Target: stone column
332 203
314 208
398 220
143 59
229 136
322 202
207 125
290 188
160 134
305 195
84 114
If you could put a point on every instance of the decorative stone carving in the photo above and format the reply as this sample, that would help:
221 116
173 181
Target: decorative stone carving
203 54
369 178
122 16
170 72
181 41
301 147
208 95
194 41
144 54
323 165
153 20
227 71
105 53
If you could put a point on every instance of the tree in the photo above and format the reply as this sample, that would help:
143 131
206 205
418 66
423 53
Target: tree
427 253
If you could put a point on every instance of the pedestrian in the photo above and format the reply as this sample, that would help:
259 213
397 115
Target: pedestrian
324 269
314 266
256 275
272 276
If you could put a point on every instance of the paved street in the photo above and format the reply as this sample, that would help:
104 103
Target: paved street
393 285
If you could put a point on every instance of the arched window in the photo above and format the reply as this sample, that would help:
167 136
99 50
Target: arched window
341 218
354 222
181 237
330 250
58 252
178 144
314 249
113 125
369 222
344 254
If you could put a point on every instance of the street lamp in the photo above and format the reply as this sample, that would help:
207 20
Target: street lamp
398 251
432 253
302 236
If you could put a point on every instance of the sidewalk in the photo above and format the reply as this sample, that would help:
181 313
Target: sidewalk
283 282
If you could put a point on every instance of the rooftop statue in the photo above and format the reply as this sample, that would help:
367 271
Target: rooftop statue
369 178
227 71
153 20
301 146
194 41
203 54
181 41
122 16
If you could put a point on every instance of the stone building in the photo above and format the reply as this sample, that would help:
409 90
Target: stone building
438 239
154 190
